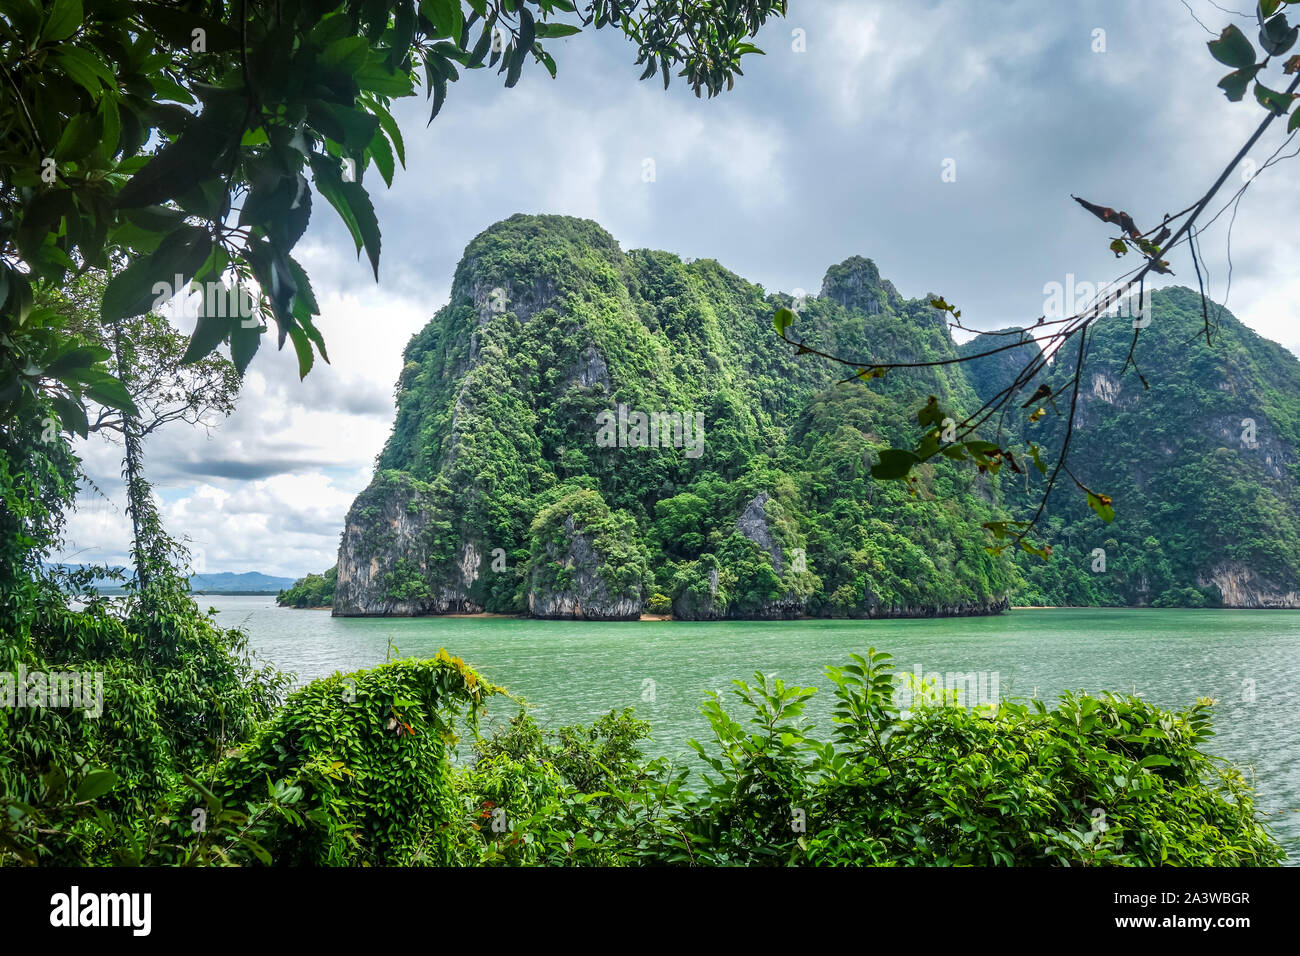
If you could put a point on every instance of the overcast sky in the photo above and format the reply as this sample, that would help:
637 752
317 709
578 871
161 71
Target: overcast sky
815 156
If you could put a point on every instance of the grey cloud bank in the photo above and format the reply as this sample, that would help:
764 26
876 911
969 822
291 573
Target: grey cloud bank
817 155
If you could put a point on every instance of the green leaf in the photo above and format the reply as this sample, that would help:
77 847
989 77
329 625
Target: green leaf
85 69
930 413
64 19
95 784
1102 505
955 452
245 337
112 393
981 449
302 345
550 31
175 169
130 292
782 320
516 65
1234 84
445 15
257 849
382 154
1035 453
377 77
136 289
389 126
208 334
1277 36
1155 760
353 205
997 528
1279 103
895 463
482 46
303 296
83 356
348 53
1232 48
527 29
79 138
1044 552
71 414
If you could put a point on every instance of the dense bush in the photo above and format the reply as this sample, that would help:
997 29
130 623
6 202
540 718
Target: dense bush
1096 781
367 756
178 691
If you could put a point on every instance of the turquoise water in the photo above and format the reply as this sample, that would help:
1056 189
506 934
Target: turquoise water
569 672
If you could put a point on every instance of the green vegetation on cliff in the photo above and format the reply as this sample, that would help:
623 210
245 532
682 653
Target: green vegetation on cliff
553 332
549 327
1202 466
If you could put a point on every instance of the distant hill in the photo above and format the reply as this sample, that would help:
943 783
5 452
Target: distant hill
220 582
228 582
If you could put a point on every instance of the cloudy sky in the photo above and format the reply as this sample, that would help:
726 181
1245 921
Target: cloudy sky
833 144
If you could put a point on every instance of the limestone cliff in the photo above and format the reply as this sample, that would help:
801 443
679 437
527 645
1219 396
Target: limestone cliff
582 430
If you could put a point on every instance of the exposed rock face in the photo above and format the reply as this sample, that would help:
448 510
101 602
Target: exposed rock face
1253 435
752 523
856 284
875 609
697 605
1242 587
694 605
383 563
1105 387
587 596
590 370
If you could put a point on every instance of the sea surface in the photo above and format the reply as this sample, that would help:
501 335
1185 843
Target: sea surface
569 672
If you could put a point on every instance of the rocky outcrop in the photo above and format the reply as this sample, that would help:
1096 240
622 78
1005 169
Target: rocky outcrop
586 594
590 370
752 523
698 604
969 609
1242 587
384 566
856 284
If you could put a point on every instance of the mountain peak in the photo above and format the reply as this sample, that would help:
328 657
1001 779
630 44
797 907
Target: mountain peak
856 284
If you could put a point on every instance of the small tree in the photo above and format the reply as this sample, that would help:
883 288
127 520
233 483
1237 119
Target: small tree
145 354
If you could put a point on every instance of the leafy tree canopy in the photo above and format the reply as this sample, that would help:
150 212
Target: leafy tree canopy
171 143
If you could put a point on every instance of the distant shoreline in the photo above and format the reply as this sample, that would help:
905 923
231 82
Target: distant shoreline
236 593
669 617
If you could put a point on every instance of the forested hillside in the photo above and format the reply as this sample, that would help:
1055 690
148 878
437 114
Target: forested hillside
529 470
1201 463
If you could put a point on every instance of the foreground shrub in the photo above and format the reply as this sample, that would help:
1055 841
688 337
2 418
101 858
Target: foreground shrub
361 766
1096 781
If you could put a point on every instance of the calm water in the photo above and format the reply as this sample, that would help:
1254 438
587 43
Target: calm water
572 672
